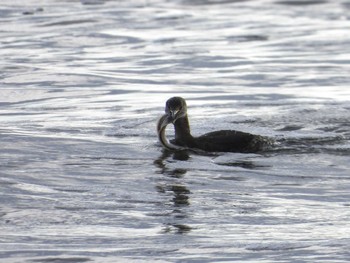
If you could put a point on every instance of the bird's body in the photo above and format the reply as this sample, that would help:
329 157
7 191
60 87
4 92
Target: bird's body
217 141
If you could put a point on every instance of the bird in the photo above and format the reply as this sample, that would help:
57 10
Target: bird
217 141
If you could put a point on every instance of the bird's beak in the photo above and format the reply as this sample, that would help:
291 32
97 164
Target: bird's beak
172 115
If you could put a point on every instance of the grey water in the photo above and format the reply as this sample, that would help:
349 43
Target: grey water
83 177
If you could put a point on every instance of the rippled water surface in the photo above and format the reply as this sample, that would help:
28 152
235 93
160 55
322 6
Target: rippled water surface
83 178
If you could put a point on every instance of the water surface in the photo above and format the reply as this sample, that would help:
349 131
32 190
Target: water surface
83 178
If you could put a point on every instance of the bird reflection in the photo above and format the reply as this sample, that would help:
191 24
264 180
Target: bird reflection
178 156
180 229
181 194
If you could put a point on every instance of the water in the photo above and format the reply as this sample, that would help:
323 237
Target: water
83 178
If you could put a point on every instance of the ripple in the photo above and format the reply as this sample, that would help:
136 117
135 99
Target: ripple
69 22
302 3
61 259
245 165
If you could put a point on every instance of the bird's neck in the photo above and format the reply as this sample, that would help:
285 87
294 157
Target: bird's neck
182 130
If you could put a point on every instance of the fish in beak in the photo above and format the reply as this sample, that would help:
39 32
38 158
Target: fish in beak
161 127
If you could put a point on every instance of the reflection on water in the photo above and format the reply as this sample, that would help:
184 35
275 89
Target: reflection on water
82 177
180 192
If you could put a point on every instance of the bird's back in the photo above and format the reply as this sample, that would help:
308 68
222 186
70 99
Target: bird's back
231 141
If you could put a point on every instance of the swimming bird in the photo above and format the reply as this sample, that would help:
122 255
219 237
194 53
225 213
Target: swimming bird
217 141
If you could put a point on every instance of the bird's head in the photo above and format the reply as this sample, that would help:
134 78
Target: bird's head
175 108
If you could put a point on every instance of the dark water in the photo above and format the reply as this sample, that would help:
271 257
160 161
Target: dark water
82 176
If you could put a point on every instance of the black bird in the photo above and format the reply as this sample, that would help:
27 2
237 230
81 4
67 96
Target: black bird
217 141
